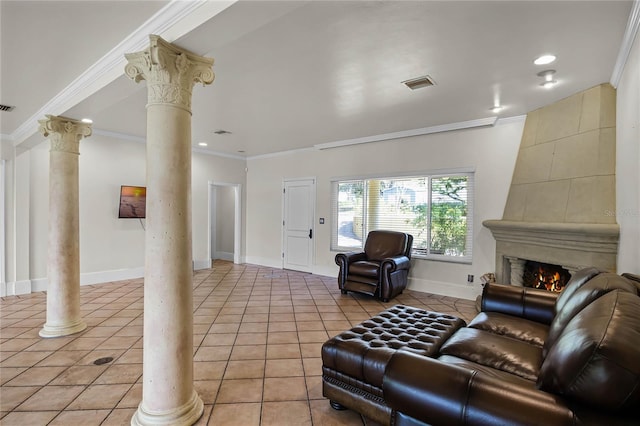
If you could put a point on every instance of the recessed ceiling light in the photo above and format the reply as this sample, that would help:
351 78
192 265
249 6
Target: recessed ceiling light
241 151
496 108
202 143
87 120
549 84
544 60
221 132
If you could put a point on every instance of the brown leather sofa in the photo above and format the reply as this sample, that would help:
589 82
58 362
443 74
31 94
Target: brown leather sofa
381 270
530 357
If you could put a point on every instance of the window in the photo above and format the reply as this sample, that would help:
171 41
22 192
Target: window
436 210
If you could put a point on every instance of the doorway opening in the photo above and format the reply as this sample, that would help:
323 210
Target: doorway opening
225 221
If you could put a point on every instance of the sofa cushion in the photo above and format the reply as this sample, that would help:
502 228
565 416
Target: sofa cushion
499 374
595 359
579 298
518 328
495 351
365 268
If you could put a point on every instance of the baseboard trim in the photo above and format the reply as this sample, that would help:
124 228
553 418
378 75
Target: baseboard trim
90 278
443 288
223 255
326 271
39 284
262 261
15 288
201 264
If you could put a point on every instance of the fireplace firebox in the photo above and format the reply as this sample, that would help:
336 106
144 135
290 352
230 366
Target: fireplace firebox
545 276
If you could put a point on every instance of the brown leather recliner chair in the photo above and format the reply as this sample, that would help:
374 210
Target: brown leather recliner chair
381 270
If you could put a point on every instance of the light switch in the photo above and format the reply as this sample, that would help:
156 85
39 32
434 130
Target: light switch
322 221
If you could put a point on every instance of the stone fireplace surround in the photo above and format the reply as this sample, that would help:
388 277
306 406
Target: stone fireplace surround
563 189
570 245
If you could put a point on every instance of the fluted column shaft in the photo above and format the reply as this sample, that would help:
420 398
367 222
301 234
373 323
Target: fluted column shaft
63 264
168 396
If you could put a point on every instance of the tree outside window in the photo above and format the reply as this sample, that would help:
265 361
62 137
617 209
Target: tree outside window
434 209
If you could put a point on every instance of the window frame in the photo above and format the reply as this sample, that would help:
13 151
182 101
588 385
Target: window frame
429 176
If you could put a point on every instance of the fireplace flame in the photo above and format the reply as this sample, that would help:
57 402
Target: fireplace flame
549 280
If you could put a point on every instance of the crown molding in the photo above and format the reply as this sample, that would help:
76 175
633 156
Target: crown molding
218 154
118 135
171 22
279 153
630 34
141 140
481 122
512 119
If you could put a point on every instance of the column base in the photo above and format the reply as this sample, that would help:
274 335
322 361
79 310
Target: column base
187 414
62 330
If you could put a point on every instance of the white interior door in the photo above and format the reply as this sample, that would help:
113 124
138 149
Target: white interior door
299 213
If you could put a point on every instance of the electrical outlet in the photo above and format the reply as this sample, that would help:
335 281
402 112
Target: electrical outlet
469 279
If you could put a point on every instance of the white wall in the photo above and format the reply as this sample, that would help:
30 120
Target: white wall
22 202
109 247
491 152
112 248
205 169
628 163
8 156
17 214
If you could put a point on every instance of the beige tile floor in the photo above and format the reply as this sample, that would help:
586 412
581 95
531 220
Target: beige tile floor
257 338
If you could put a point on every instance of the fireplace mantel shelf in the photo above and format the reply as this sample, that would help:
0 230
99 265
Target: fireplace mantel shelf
572 245
598 237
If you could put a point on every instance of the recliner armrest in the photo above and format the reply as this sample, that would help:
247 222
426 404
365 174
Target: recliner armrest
396 263
350 257
437 393
529 303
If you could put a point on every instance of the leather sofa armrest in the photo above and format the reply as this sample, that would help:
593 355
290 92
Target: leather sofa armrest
634 278
529 303
396 263
434 392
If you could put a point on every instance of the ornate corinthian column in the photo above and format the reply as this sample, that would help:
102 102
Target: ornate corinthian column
63 291
168 396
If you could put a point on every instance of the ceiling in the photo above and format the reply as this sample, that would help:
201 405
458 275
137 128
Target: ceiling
294 74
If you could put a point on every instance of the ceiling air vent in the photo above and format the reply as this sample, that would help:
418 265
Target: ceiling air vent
221 132
7 108
417 83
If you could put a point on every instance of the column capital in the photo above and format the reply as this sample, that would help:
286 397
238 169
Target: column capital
170 71
65 133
